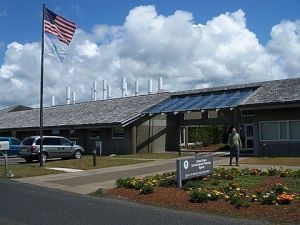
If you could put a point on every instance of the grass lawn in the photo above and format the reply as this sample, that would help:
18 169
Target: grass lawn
280 161
85 163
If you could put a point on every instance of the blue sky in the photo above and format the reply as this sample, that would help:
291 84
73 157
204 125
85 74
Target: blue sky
20 22
261 14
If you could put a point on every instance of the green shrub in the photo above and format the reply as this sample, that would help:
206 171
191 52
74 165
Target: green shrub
279 188
208 134
147 189
170 182
215 182
216 195
138 185
236 201
198 196
273 171
244 172
225 174
123 182
191 185
269 198
296 174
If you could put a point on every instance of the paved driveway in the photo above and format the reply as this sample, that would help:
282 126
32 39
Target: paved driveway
26 204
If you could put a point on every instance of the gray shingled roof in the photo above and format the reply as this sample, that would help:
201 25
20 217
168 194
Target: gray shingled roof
273 92
112 111
267 92
123 111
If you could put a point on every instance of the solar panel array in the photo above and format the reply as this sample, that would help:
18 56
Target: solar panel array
204 101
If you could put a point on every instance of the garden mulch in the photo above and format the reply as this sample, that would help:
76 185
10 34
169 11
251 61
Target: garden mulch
172 197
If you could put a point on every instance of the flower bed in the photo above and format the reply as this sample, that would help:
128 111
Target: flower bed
252 192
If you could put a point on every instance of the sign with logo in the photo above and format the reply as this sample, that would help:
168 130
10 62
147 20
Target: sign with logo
193 167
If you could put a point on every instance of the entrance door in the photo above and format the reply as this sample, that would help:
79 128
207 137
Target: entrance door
246 133
183 137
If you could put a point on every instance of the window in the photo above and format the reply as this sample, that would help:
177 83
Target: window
95 134
73 134
294 130
118 133
51 141
28 141
15 142
280 130
269 131
55 132
212 114
64 141
247 113
38 142
283 130
193 116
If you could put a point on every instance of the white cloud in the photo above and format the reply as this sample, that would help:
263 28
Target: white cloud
148 45
88 49
7 71
285 47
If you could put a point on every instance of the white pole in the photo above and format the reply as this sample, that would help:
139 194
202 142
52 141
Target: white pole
123 87
108 92
53 100
68 95
150 86
136 87
95 90
104 89
160 84
73 97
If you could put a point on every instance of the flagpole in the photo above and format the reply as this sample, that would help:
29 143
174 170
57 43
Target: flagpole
42 90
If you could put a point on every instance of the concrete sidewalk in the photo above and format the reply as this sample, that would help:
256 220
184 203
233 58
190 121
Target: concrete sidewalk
85 182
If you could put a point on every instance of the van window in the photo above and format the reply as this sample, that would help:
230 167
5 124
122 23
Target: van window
64 141
51 141
38 141
15 141
28 141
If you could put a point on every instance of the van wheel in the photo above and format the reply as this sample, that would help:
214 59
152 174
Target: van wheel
44 157
28 159
77 154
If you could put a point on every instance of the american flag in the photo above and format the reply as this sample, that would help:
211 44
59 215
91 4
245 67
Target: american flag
59 26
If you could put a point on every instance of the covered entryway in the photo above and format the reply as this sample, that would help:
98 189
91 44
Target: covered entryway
213 112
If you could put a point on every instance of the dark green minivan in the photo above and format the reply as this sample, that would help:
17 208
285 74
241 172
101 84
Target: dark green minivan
53 147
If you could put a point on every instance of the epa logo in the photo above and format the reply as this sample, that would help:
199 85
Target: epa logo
186 164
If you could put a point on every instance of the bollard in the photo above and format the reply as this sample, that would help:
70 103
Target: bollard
264 149
5 164
94 157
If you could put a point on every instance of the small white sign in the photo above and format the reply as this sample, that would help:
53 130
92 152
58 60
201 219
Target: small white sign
4 145
98 144
186 164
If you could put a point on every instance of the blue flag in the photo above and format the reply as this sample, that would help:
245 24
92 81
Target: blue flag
55 49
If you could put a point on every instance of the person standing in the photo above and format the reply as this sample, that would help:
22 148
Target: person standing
235 144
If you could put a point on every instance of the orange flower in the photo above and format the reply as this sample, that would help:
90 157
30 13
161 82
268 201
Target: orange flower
285 199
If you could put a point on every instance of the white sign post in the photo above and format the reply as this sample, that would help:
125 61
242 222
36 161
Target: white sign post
4 147
99 146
